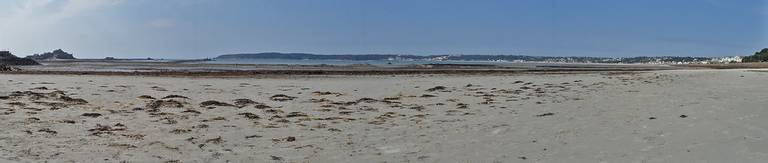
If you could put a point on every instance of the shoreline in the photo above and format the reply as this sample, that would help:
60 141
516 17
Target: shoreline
130 68
247 73
177 69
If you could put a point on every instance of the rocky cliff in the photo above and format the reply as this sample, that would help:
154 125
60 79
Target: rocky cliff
6 54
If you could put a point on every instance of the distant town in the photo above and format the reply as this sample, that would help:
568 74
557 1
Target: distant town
492 58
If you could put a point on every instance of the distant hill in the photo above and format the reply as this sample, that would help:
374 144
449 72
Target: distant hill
6 58
357 57
273 55
56 54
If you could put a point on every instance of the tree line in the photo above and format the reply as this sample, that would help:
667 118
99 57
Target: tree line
761 56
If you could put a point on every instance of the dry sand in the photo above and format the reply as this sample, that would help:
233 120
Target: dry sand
660 116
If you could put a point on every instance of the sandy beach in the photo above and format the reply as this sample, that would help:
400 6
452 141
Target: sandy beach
395 81
647 116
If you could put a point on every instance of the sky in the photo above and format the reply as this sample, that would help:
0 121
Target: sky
208 28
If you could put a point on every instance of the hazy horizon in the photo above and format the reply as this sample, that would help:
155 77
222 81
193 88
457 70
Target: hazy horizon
208 28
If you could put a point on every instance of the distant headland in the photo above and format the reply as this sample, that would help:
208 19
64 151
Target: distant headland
7 58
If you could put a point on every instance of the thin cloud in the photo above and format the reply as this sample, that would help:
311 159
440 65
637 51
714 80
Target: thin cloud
37 13
58 9
161 23
30 23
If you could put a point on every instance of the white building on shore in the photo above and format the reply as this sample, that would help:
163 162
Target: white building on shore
731 59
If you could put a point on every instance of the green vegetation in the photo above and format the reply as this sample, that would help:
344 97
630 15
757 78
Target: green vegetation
761 56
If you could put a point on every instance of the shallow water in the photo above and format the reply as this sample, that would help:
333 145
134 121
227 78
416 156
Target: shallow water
344 62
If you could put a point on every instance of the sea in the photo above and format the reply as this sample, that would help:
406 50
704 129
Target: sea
402 63
381 63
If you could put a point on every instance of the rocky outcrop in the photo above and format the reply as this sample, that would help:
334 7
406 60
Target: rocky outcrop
56 54
6 58
6 54
4 68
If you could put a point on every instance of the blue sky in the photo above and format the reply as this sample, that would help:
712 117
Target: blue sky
207 28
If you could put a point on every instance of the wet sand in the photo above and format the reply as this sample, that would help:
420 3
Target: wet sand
649 116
